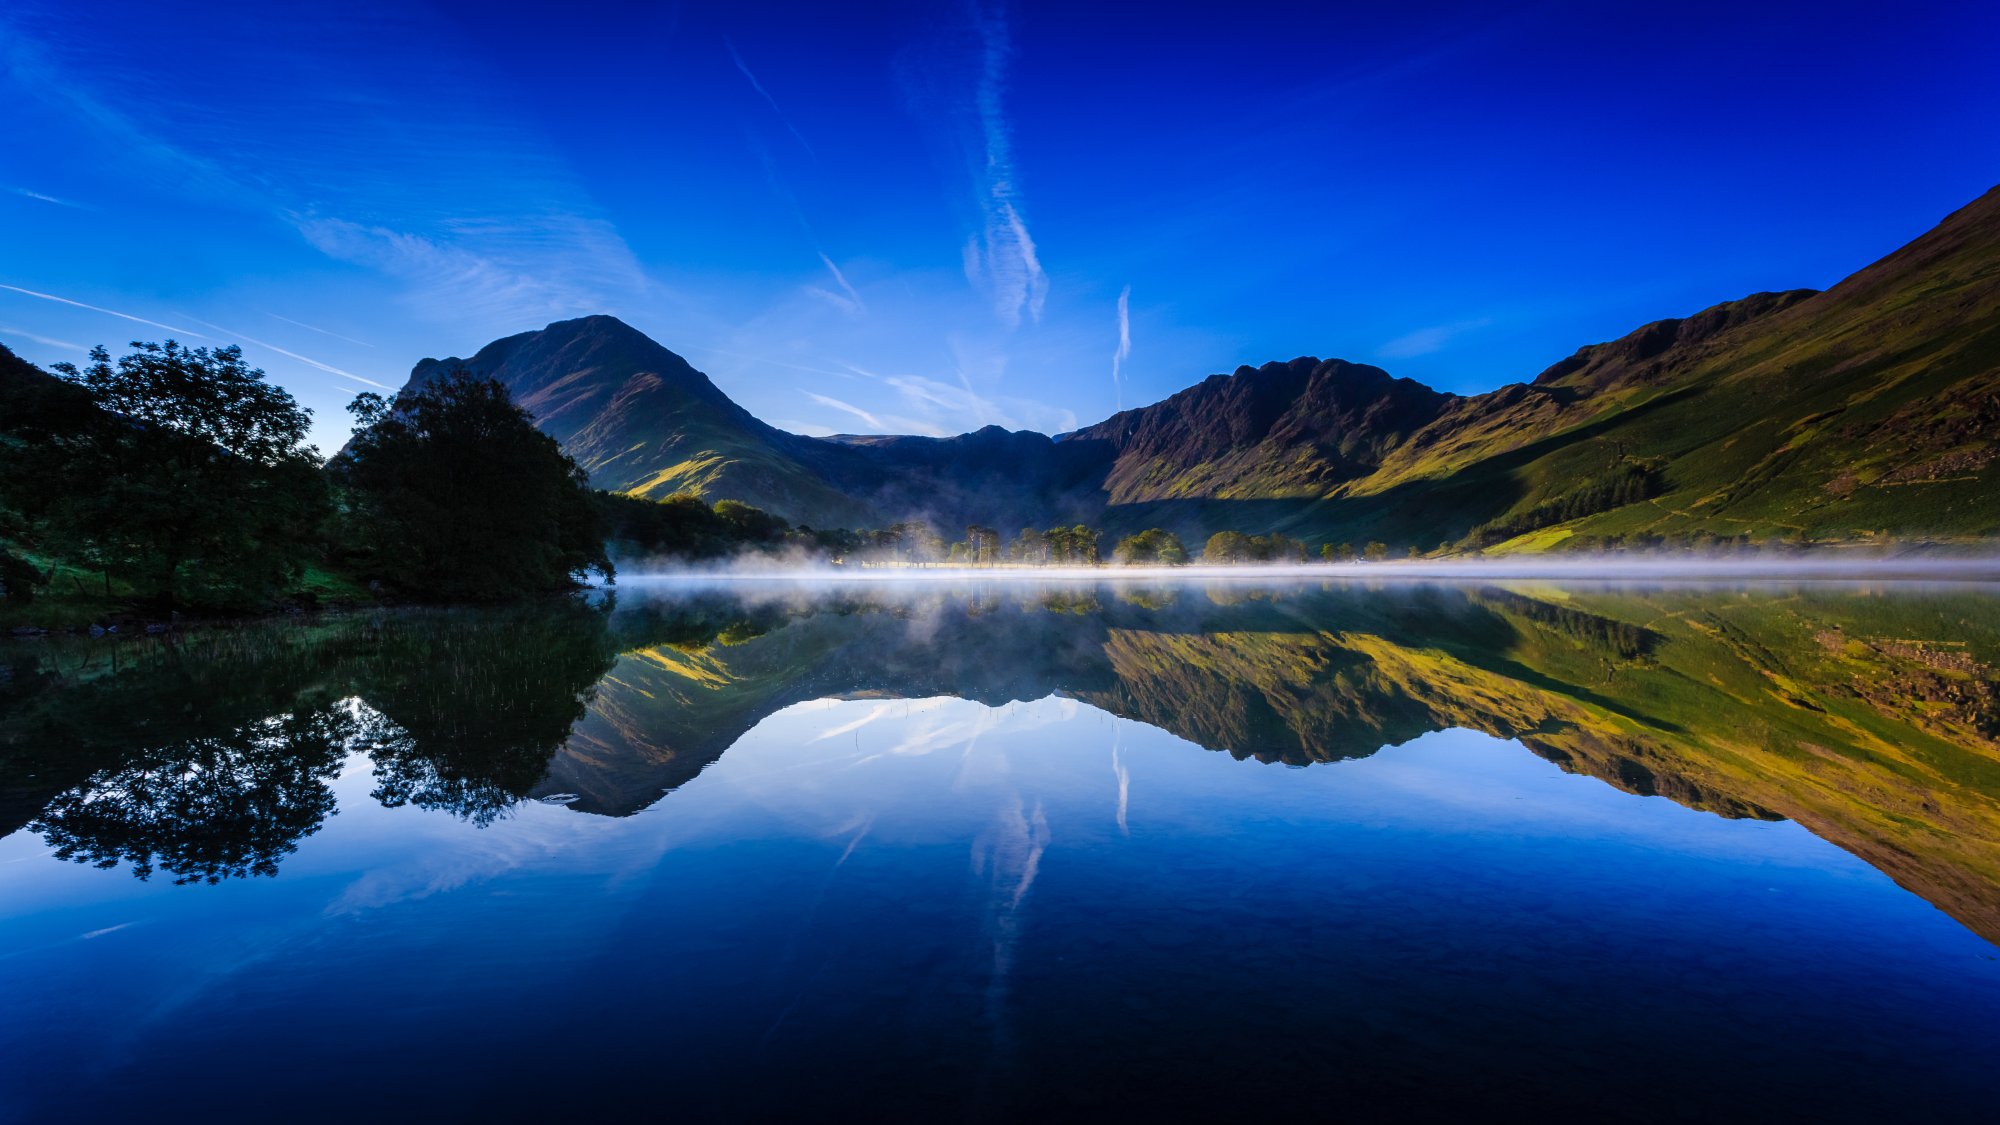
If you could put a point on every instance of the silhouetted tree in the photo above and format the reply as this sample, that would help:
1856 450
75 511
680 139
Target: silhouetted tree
455 494
191 483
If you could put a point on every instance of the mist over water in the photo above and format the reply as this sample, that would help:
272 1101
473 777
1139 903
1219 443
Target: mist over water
1844 566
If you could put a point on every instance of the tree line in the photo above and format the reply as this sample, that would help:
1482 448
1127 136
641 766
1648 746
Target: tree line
180 478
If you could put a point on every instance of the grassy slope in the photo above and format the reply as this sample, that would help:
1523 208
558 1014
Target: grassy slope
1874 406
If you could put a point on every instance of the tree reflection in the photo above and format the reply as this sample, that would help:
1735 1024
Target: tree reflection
207 809
213 760
466 712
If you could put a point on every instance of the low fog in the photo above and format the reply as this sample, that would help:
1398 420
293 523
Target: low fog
1621 566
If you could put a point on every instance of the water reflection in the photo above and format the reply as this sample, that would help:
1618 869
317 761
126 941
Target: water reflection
1871 718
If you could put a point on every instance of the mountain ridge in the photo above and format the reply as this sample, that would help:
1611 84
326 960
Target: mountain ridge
1798 412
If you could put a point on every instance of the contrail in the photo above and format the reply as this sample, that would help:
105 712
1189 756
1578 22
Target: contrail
105 311
307 360
1124 351
766 94
321 331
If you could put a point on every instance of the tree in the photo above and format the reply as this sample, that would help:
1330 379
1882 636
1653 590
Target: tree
751 525
1073 546
1337 552
1276 547
1030 546
1375 551
1227 547
684 526
1154 545
982 545
192 484
454 494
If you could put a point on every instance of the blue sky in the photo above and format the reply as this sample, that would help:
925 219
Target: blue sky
929 217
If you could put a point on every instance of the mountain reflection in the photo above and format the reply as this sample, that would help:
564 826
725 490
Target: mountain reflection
1871 718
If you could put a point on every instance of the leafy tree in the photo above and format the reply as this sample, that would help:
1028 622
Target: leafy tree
1375 551
684 526
1072 546
455 494
192 483
836 544
1337 552
751 525
982 545
1227 547
1030 546
1154 545
1277 547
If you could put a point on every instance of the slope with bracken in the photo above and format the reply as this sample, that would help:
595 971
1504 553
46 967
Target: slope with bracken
1872 406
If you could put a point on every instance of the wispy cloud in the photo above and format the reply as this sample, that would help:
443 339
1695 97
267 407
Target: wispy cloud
407 170
307 360
45 341
1124 351
847 300
27 194
1011 258
874 424
1000 257
1424 341
502 279
766 95
935 407
318 329
105 311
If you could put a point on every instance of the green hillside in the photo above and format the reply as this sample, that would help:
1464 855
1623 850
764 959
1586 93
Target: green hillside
1871 407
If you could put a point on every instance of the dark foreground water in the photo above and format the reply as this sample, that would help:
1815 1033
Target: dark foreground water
1014 851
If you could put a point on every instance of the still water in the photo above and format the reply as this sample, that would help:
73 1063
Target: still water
715 852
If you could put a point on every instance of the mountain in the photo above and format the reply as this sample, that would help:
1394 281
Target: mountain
639 419
1872 406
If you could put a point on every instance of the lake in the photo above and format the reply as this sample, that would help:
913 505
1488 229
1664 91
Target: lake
946 851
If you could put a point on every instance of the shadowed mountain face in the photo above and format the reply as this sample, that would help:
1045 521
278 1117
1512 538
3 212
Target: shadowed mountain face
1874 406
1873 721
